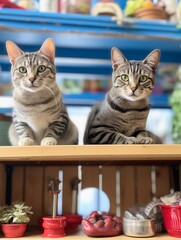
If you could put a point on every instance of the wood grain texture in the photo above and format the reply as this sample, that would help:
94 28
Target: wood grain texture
2 184
100 154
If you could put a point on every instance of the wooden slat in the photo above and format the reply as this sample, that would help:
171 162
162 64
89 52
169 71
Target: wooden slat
163 184
90 176
143 185
109 185
2 184
18 184
69 173
34 192
127 188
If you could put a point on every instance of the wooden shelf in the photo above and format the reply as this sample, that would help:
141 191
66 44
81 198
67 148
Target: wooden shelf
91 154
82 236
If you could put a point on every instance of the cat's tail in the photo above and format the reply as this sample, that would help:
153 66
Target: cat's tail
155 138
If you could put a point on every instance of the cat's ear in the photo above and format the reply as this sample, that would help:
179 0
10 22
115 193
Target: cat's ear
117 58
153 59
48 49
13 51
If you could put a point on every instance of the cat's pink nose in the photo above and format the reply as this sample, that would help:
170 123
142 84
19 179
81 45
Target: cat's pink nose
133 89
32 79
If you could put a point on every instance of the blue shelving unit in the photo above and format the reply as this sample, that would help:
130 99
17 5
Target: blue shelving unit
89 37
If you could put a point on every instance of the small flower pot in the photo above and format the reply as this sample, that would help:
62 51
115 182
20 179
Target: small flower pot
14 230
54 227
73 222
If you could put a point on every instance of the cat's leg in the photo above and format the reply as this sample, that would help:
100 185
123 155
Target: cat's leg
13 137
109 137
70 136
55 130
47 141
21 134
26 141
143 138
147 137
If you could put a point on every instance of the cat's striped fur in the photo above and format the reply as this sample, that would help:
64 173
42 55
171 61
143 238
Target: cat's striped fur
121 117
39 115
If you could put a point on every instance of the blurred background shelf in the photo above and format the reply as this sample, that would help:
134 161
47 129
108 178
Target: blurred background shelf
83 44
86 36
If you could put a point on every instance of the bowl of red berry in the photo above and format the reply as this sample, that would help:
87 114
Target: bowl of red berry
102 224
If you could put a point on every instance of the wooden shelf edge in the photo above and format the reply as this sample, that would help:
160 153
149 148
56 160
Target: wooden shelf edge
82 236
92 153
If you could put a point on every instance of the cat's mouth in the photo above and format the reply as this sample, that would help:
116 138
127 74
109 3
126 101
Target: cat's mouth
133 95
32 88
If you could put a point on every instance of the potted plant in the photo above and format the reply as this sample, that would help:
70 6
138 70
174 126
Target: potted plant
14 219
145 9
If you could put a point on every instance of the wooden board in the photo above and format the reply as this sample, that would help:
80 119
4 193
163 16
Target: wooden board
81 236
100 154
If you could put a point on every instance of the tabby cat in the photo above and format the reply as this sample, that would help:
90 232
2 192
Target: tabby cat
121 117
39 115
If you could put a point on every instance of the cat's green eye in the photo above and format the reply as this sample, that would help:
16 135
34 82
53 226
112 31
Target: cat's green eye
125 77
143 78
22 70
41 68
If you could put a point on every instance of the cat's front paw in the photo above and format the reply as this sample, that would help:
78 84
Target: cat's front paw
146 140
26 141
130 140
48 141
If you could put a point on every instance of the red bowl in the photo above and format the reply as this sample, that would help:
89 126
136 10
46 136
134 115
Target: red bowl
172 219
73 221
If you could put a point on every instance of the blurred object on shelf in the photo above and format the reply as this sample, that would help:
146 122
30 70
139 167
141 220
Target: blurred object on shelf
175 102
9 4
5 83
27 4
166 78
75 6
78 84
151 13
170 6
108 7
145 9
49 6
132 6
178 12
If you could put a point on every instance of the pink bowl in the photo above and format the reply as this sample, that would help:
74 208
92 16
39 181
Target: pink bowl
172 219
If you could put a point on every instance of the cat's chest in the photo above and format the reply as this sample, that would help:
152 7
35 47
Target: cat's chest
38 122
126 122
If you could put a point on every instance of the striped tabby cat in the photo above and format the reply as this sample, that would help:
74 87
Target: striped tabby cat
121 117
39 115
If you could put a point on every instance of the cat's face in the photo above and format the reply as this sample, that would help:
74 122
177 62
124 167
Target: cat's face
32 71
134 80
